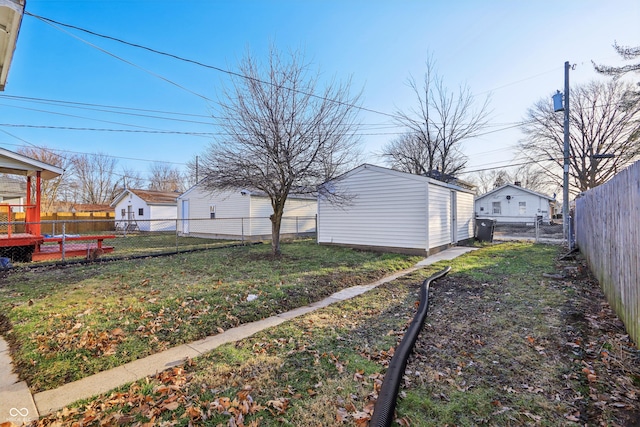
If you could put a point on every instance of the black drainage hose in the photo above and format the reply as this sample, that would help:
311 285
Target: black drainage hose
386 404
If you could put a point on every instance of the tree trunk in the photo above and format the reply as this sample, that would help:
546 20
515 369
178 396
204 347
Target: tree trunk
276 221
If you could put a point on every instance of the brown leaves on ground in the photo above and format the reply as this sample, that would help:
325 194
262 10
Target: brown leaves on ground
72 337
164 400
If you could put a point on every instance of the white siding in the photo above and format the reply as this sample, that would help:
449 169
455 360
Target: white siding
231 211
163 217
136 204
510 200
465 215
298 217
439 216
388 210
238 214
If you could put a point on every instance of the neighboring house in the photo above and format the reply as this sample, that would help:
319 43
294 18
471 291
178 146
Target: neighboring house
13 192
145 210
395 211
241 213
512 203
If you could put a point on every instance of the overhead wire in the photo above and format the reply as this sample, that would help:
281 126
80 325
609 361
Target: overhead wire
55 23
213 67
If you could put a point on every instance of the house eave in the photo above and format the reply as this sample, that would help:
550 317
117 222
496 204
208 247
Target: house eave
11 12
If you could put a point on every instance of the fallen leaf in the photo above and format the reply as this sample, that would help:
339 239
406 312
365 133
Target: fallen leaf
341 415
171 406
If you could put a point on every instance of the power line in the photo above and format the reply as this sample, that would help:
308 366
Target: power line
56 152
109 130
514 164
86 104
180 58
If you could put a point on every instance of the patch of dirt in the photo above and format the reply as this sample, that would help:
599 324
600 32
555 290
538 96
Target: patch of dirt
556 345
5 324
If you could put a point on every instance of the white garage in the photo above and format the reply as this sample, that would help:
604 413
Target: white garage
395 211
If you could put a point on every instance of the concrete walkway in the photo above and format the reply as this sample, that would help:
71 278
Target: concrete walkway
17 404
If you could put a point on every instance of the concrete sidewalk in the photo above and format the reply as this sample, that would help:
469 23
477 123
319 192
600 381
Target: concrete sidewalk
12 407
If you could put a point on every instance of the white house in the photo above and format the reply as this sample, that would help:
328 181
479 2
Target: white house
146 210
241 213
13 192
512 203
395 211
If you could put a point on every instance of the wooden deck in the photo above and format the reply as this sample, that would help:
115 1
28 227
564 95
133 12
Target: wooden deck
52 248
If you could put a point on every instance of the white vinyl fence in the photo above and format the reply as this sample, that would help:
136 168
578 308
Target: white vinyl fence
607 222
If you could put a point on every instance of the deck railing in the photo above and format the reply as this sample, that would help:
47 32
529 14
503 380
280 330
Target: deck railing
11 225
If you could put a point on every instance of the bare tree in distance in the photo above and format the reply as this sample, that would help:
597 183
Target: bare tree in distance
285 134
164 177
529 176
598 125
439 124
51 190
96 177
132 179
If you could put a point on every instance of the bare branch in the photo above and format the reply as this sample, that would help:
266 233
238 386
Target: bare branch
597 126
436 128
282 138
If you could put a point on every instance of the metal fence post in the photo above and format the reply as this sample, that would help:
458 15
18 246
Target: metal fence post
537 229
176 235
64 229
242 228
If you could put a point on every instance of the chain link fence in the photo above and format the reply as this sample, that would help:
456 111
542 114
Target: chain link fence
527 228
88 240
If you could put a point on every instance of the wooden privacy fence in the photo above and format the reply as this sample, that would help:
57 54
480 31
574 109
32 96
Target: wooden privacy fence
607 222
75 222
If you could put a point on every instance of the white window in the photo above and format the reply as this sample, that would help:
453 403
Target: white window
522 208
497 209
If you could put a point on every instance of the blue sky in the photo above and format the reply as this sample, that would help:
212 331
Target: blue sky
513 51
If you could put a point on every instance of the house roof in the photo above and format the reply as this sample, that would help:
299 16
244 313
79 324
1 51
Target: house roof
17 164
252 192
405 175
150 197
515 188
12 187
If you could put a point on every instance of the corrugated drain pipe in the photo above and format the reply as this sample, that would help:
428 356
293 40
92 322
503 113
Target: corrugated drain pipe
386 403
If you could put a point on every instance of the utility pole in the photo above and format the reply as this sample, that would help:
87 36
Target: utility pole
565 182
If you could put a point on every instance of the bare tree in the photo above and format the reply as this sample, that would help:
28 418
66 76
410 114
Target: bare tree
407 153
528 176
598 125
96 178
282 138
51 190
131 179
163 177
439 124
627 53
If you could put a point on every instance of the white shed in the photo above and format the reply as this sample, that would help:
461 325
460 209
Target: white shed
241 213
146 210
395 211
512 203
